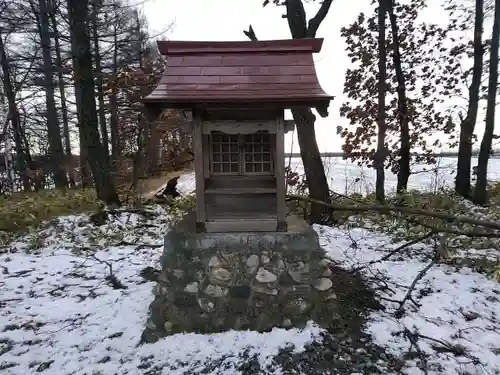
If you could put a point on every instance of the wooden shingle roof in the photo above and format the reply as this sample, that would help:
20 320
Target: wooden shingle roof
278 72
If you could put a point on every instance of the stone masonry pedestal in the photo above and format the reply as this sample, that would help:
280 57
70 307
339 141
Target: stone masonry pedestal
213 282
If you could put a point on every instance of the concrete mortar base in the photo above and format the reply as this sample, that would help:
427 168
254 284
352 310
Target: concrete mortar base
213 282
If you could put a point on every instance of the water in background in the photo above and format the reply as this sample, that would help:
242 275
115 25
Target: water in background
347 177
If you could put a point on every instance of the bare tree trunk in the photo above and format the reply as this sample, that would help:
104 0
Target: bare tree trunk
405 148
313 165
467 125
305 119
113 103
77 13
13 113
99 83
54 133
480 193
151 160
62 93
380 154
86 177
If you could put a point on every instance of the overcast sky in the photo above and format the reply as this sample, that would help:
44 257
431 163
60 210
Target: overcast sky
220 20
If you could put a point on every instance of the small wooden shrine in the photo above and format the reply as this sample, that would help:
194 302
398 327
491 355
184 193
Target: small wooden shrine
233 95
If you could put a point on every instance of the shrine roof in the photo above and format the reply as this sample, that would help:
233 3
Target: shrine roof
278 72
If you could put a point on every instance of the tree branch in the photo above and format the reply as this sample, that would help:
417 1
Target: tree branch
413 339
315 22
400 310
111 278
5 124
472 233
250 33
398 249
404 210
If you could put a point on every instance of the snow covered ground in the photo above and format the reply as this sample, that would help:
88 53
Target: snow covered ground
458 309
61 313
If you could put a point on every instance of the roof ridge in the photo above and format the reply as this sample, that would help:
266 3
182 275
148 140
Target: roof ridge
170 48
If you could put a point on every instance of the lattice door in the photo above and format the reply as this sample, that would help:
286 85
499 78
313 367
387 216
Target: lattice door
233 154
257 154
225 153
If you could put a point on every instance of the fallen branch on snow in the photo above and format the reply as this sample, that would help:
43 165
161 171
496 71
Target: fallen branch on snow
400 310
413 339
405 210
439 346
100 217
397 250
150 274
468 233
111 278
139 246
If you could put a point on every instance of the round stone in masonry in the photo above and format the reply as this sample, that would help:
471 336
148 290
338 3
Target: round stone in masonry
179 274
327 272
191 288
323 284
331 297
287 323
301 290
156 290
299 272
252 263
264 276
265 259
159 290
220 276
296 306
264 290
216 291
206 305
150 325
280 265
217 262
168 326
324 263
